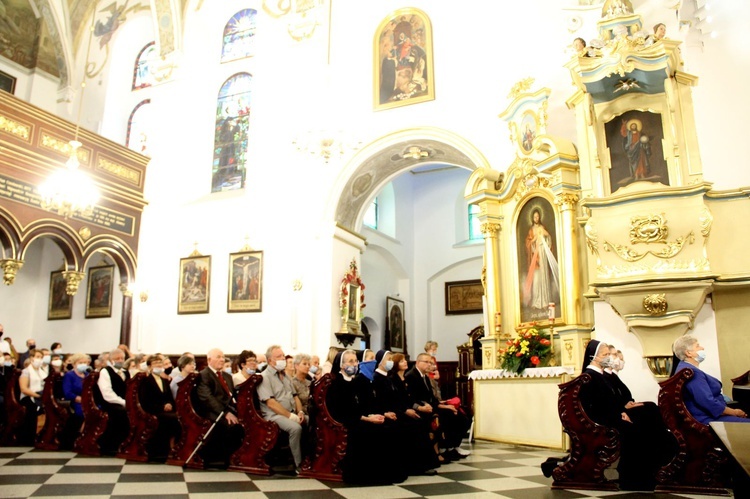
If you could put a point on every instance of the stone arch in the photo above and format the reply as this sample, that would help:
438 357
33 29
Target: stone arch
387 157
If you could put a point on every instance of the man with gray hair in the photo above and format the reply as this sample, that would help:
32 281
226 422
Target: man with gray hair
110 396
280 403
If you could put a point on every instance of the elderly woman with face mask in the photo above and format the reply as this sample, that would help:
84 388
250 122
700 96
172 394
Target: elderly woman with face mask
369 457
702 394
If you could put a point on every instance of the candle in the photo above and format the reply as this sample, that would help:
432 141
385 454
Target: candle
551 312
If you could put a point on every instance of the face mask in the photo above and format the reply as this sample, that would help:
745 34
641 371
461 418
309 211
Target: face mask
8 363
249 371
700 355
58 351
388 365
168 370
262 366
37 363
350 370
280 365
228 370
622 365
143 367
32 346
82 368
116 365
606 362
56 363
46 359
313 369
157 370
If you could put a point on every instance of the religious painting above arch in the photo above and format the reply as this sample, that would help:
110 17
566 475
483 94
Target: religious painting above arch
526 116
538 257
403 60
634 140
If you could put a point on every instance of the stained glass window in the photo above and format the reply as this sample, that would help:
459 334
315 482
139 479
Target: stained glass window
143 74
239 36
138 123
230 143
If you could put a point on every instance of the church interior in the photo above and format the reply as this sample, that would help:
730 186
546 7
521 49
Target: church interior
172 232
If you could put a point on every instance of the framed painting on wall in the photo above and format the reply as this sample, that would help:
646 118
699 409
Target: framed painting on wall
194 286
538 271
99 291
245 282
60 302
395 320
403 60
463 297
7 82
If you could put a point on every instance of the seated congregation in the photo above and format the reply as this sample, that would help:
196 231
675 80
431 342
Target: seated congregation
258 412
667 448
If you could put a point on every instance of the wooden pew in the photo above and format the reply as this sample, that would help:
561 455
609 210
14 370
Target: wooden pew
15 412
741 391
194 426
329 436
56 413
143 425
260 435
697 467
593 447
94 419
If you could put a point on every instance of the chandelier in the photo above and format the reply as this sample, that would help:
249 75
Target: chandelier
69 191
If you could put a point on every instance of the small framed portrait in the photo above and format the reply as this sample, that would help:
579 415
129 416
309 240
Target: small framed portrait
463 297
60 302
395 318
528 131
194 285
7 82
403 60
99 291
245 282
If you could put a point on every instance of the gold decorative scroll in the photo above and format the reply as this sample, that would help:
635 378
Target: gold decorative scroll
648 229
706 221
10 268
655 304
128 174
489 229
521 87
73 280
13 127
566 200
592 238
57 144
671 249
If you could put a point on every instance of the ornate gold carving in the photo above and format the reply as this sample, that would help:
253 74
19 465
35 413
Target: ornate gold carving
569 349
671 249
484 279
128 174
73 279
13 127
10 268
53 143
85 233
706 220
655 304
415 152
530 181
648 229
521 87
566 200
489 229
661 267
125 290
592 238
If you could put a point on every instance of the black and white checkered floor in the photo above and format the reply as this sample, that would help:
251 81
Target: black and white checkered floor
492 471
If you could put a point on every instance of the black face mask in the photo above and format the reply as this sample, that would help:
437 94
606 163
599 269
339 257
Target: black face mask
168 370
32 347
68 367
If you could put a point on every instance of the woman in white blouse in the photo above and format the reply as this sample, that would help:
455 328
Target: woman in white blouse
31 384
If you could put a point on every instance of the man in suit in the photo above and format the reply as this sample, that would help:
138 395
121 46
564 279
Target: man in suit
214 393
453 425
155 397
30 345
111 398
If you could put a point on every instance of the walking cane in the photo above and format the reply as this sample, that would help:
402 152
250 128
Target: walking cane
204 437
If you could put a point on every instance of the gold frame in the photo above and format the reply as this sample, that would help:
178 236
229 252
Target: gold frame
426 46
453 308
235 300
390 304
58 284
185 305
98 310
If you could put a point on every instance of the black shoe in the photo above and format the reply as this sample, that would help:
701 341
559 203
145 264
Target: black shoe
454 455
429 473
446 457
549 466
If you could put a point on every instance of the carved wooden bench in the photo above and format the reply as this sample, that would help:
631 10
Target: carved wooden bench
260 435
329 436
56 413
697 467
194 426
593 447
94 419
143 425
15 412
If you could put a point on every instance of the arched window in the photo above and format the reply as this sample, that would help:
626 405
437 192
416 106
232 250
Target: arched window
239 36
143 74
230 143
138 127
475 232
371 215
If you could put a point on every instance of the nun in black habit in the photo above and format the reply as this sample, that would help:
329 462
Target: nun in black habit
638 465
419 451
370 441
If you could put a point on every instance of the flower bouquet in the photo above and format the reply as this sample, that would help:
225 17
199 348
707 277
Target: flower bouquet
528 349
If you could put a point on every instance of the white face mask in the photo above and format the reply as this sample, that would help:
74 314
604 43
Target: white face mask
36 363
313 369
228 370
56 363
58 351
700 356
143 367
281 365
157 370
388 365
249 370
46 359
